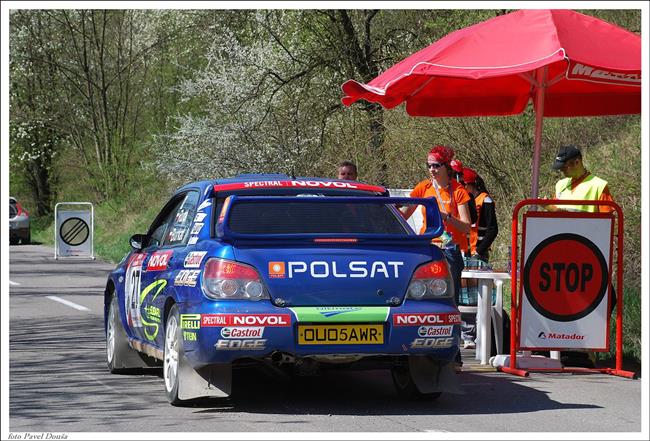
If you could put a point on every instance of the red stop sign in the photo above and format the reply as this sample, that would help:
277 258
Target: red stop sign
565 277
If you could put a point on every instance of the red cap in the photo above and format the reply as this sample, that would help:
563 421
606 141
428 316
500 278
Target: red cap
456 165
441 154
469 175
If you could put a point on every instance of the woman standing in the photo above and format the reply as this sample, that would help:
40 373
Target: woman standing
452 201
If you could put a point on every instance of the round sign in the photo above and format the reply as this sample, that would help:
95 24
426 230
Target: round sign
74 231
565 277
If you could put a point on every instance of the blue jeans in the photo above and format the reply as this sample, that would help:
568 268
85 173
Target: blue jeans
457 265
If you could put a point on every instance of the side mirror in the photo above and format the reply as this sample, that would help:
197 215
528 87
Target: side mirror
137 241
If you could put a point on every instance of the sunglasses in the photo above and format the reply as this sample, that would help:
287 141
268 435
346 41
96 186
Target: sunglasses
434 165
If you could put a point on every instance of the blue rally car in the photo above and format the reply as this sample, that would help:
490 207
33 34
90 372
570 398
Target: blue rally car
300 273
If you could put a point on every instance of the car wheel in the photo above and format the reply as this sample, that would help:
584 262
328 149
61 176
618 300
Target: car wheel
172 356
27 239
121 358
13 241
405 386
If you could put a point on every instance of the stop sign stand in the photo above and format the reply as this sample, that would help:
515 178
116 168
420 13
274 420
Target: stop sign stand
564 277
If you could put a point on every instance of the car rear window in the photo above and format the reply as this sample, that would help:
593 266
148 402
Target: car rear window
314 218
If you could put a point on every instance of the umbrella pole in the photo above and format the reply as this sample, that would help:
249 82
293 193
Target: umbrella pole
540 88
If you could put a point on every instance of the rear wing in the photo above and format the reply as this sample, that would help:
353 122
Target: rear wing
298 184
433 220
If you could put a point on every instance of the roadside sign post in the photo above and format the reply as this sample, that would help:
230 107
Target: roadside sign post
74 230
562 286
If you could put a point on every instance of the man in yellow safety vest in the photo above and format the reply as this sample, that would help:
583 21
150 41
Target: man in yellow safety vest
578 183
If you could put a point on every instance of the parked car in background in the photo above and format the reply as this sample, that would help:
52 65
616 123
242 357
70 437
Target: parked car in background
299 274
19 229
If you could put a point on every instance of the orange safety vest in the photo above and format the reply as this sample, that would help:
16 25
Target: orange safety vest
474 230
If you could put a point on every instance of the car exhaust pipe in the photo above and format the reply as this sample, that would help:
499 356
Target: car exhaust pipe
281 357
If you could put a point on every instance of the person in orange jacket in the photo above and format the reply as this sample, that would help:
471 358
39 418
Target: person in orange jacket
452 200
485 230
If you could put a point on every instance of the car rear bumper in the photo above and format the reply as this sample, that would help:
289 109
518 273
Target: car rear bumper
214 334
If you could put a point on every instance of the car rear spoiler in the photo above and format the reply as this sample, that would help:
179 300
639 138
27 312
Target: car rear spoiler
433 221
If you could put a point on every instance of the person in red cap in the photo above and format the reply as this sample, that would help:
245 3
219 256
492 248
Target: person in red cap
452 201
486 228
457 168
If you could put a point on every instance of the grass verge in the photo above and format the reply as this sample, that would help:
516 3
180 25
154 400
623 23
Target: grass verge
115 222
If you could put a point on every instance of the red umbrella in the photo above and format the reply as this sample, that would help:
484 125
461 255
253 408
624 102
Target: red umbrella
567 63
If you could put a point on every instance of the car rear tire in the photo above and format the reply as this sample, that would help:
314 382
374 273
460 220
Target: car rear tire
405 386
172 355
27 239
13 241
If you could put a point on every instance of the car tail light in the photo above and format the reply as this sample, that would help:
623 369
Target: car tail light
225 279
431 281
20 210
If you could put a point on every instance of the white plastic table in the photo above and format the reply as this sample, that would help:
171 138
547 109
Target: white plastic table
484 305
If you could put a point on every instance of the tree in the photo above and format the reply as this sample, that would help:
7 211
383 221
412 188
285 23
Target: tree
34 136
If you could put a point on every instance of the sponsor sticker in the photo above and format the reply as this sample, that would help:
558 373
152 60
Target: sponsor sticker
277 270
196 228
430 343
219 320
194 259
181 217
199 217
151 318
590 73
190 321
435 331
418 319
193 240
242 332
322 269
186 277
189 335
240 345
152 312
334 314
177 234
559 336
159 260
297 183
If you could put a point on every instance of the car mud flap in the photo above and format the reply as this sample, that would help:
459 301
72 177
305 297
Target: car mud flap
128 358
207 381
126 355
432 376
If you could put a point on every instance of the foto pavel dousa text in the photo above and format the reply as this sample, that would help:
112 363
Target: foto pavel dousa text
37 435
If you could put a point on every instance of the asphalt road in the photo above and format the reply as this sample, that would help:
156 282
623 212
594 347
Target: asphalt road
59 381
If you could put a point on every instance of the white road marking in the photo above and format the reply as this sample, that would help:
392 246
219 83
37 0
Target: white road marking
14 283
68 303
